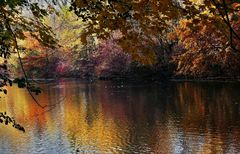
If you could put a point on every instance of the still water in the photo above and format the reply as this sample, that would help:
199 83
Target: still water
105 117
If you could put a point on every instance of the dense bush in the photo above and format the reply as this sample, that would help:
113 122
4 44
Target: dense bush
110 59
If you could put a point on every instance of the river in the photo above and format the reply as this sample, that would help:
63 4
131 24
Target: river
106 117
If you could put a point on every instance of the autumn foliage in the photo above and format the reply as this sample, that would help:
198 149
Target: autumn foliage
196 39
204 51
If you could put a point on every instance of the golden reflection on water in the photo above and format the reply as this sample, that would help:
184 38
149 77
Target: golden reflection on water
104 117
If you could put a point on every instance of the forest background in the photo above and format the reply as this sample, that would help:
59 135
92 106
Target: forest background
123 40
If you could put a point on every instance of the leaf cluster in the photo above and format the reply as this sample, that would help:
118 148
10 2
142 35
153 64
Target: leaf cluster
22 83
4 118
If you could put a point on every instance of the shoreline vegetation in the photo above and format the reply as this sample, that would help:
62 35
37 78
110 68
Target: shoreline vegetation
140 80
192 41
185 51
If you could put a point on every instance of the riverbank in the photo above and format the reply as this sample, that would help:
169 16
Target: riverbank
158 79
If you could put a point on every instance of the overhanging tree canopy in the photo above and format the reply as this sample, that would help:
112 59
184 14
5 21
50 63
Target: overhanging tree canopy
16 18
141 21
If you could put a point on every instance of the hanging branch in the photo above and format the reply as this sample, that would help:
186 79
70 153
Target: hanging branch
227 22
8 26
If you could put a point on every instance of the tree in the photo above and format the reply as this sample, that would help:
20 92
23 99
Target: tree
204 52
130 17
38 56
145 19
209 47
110 59
223 14
16 18
14 24
68 29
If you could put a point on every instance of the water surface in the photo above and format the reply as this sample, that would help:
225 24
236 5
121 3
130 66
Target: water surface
105 117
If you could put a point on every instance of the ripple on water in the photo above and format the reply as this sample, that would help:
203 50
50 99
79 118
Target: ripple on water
182 118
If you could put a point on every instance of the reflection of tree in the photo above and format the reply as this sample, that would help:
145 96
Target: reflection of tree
109 117
209 109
